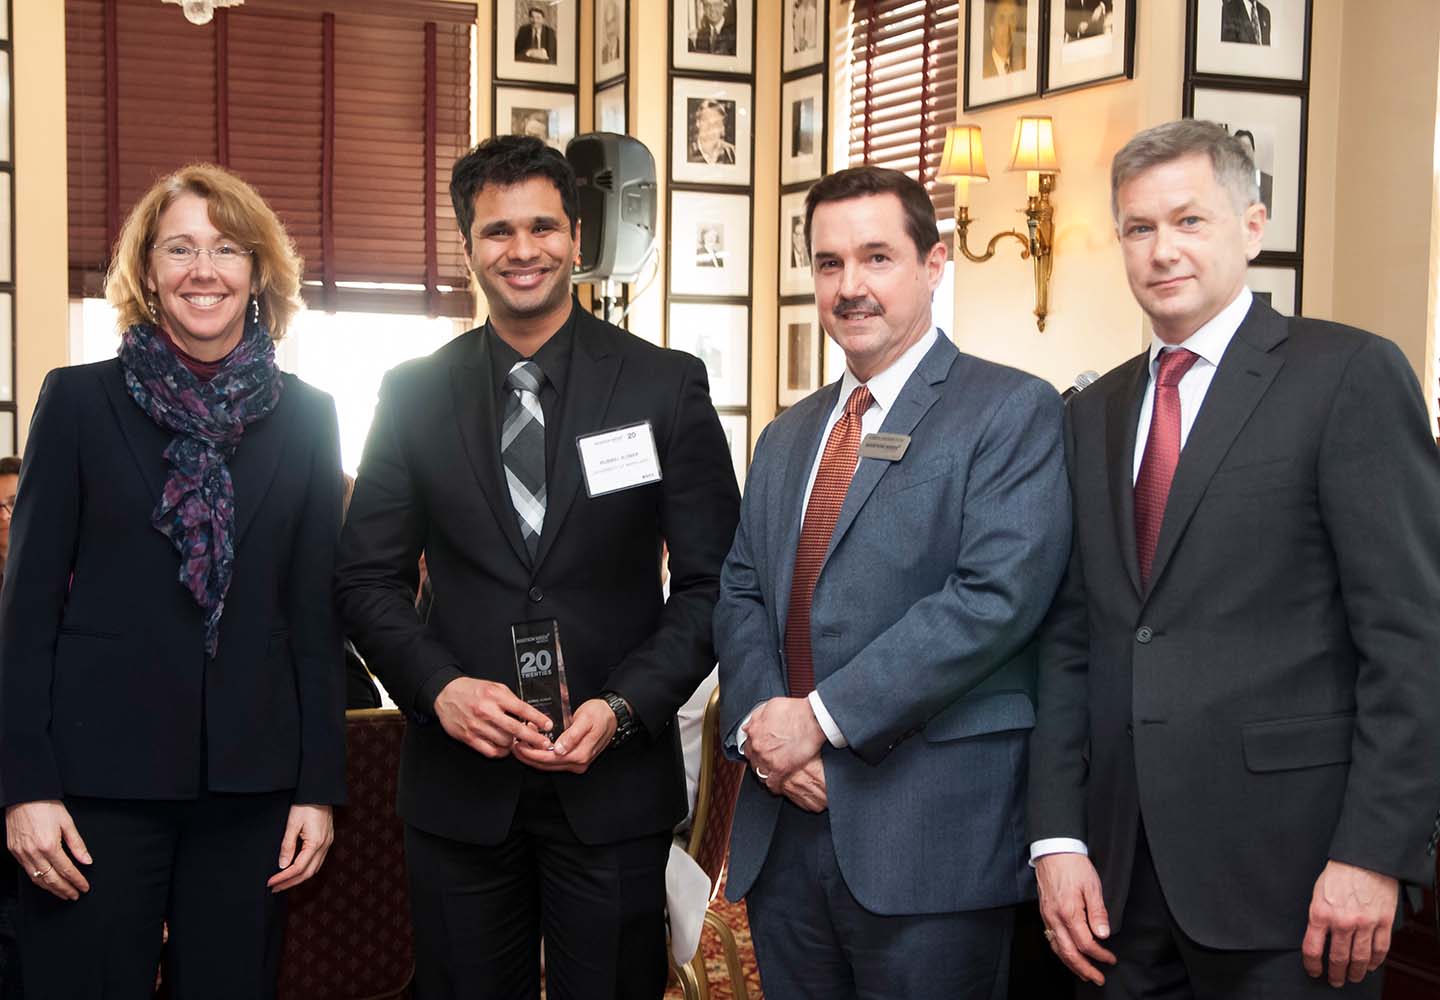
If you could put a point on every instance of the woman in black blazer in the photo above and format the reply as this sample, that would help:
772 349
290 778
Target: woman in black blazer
171 685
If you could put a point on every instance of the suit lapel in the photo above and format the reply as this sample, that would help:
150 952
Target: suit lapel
474 396
1245 374
146 440
1122 417
911 405
791 499
594 367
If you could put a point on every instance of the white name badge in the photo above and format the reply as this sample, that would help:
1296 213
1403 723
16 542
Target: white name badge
620 458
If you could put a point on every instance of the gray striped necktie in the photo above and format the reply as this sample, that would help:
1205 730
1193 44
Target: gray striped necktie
522 449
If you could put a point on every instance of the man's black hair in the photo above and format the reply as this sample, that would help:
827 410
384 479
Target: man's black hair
507 160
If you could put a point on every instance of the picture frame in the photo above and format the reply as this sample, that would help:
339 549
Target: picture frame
610 108
718 333
798 353
737 437
710 131
546 114
1089 42
612 40
1277 286
1221 39
804 26
987 82
709 243
802 129
698 43
796 277
554 24
1275 125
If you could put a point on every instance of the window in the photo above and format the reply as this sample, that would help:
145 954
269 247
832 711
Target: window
345 354
904 66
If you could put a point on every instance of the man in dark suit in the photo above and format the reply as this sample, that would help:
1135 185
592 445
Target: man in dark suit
874 631
715 34
539 462
1245 21
1239 702
1005 54
535 42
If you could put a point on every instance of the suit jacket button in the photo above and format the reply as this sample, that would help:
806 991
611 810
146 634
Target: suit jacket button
537 595
1143 634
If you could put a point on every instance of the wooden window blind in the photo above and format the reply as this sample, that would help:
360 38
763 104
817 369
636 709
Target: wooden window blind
905 59
346 115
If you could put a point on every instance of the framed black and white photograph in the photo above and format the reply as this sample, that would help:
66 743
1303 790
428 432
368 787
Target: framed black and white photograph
802 129
719 335
709 243
1277 287
1273 125
716 36
710 131
544 114
798 367
612 39
737 437
1265 39
1091 41
1002 51
795 275
610 109
802 34
535 40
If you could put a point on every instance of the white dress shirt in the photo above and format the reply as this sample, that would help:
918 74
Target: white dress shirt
1209 342
884 390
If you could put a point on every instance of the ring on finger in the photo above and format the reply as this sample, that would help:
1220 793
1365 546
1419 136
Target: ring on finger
1049 934
761 775
41 874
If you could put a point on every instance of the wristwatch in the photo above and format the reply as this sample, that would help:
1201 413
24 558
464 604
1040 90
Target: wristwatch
625 724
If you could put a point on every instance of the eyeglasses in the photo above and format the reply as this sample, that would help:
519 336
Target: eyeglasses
225 257
7 506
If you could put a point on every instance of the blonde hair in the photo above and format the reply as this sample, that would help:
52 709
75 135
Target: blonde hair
238 211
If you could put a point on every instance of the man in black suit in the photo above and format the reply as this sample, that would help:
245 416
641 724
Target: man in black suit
1239 702
715 34
539 462
1245 21
535 42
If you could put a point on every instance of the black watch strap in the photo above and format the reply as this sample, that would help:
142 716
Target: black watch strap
625 724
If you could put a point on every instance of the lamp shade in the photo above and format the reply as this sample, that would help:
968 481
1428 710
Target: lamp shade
964 155
1034 145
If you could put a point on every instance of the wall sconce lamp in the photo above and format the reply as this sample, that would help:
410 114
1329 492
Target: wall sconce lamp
1033 151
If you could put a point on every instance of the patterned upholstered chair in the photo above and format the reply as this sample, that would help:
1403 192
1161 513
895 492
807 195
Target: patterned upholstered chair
709 845
347 934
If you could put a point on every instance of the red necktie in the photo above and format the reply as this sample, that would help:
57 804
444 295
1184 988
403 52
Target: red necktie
1162 453
837 467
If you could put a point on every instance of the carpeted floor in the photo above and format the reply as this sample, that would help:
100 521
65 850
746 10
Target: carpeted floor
720 988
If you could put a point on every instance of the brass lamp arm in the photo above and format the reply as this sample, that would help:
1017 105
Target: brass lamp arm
962 229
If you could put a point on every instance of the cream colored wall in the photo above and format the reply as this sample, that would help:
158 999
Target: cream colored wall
1385 172
1094 322
41 300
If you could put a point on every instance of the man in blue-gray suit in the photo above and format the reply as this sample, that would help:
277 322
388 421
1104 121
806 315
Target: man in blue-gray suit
901 535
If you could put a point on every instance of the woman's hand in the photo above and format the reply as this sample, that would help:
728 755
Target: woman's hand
313 827
38 834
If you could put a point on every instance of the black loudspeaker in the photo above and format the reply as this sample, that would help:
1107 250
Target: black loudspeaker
616 178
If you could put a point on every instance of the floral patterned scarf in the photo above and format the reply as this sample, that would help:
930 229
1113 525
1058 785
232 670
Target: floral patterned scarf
197 507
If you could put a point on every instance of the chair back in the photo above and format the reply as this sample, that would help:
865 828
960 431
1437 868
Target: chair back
347 931
719 786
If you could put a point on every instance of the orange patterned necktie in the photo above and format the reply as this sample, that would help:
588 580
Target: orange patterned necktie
837 467
1162 454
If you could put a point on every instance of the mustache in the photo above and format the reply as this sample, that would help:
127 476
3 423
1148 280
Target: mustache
866 303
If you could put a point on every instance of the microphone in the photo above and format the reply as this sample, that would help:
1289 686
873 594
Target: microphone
1081 381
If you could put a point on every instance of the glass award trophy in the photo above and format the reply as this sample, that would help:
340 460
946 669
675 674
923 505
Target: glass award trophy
541 669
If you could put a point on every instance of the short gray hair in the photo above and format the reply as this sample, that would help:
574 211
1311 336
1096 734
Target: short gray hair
1229 158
